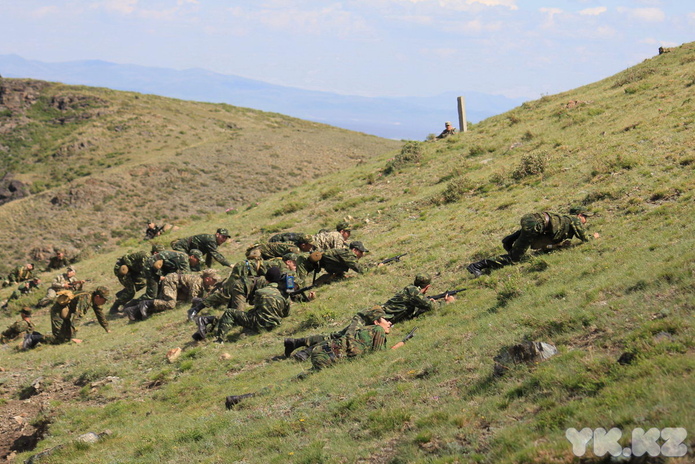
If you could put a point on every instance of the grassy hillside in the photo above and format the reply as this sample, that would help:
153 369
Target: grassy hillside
624 147
100 163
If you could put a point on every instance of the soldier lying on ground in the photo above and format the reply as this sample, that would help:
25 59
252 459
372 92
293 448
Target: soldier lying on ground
19 274
364 341
338 261
21 327
406 304
540 231
24 288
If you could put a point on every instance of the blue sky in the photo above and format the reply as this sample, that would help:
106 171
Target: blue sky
517 48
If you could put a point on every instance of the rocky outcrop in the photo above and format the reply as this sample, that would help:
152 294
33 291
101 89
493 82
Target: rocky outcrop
12 189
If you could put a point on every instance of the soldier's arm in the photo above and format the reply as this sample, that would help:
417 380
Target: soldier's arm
99 313
219 257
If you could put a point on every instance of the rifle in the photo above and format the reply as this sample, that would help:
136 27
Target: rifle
439 296
410 335
301 291
393 259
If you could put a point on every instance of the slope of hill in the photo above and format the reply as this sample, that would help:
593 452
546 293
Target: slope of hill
100 163
397 118
619 309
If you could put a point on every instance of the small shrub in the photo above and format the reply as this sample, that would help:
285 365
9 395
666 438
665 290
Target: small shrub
410 154
288 208
455 190
329 193
530 165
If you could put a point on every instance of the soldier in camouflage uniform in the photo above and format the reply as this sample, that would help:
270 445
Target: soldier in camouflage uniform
364 341
270 306
64 315
540 231
448 130
335 239
64 281
19 274
58 261
161 264
207 244
22 326
406 304
272 250
22 289
130 271
336 262
175 287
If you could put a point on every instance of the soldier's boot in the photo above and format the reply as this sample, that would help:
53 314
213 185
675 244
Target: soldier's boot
233 400
130 312
202 322
302 355
509 240
144 306
292 344
114 307
479 267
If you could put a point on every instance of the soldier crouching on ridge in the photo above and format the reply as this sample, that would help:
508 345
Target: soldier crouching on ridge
366 340
19 274
540 231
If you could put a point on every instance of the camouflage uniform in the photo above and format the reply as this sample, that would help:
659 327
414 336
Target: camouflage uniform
178 287
58 284
538 231
15 330
55 263
22 289
64 329
17 275
329 240
276 249
269 308
338 261
364 341
134 280
235 292
206 243
408 304
172 261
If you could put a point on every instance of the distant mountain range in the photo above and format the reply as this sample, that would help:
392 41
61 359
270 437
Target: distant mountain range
396 118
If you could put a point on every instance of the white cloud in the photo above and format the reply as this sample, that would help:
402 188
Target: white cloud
511 4
45 11
118 6
644 14
691 18
594 11
456 5
551 12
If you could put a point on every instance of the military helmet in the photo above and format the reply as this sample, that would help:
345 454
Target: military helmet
157 247
372 314
212 273
25 311
102 292
290 257
223 231
576 210
342 225
358 246
305 238
196 254
422 280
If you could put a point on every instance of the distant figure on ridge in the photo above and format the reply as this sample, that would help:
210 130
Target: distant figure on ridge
448 130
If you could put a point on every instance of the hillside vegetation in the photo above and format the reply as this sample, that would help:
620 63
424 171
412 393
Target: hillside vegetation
100 163
624 147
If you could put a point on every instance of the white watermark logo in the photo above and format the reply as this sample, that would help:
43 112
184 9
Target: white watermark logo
642 442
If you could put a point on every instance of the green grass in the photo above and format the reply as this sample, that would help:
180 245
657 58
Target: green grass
436 400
